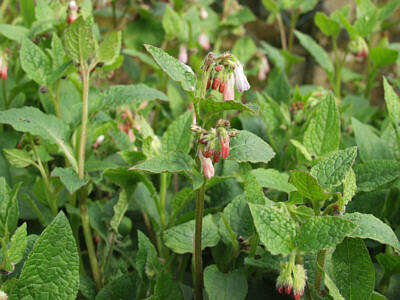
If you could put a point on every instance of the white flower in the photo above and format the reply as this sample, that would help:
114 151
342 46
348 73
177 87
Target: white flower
183 54
73 6
241 81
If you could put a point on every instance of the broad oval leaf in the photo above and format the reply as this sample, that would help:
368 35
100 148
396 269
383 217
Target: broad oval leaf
375 173
178 135
180 238
308 186
14 32
273 179
52 268
70 179
79 40
175 69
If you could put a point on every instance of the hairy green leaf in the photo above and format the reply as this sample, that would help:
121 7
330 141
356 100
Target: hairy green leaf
308 186
79 40
375 173
178 135
70 179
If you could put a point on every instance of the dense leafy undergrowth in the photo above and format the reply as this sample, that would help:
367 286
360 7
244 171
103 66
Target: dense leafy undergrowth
199 150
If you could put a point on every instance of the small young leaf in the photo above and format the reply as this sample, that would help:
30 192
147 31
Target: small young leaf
276 230
211 106
330 284
238 18
120 209
365 25
178 135
9 210
316 51
18 158
147 262
331 170
370 227
14 32
353 270
175 69
70 179
35 62
225 286
171 22
244 49
374 173
247 147
308 186
18 244
327 25
109 48
79 40
393 105
323 232
52 268
121 288
180 238
166 288
349 186
382 57
323 131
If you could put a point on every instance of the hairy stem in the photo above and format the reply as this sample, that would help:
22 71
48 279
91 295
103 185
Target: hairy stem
197 258
282 32
293 21
318 274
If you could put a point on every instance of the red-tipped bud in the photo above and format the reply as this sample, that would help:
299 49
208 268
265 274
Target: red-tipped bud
216 83
71 18
280 289
222 87
207 153
208 83
19 146
4 72
206 163
218 68
216 157
123 116
296 296
288 289
202 141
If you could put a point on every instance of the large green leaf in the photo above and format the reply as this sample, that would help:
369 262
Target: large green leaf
178 135
225 286
147 262
70 179
79 40
175 69
316 51
166 288
35 62
323 132
32 120
120 209
172 162
330 284
14 32
331 170
247 147
370 227
382 57
276 230
353 270
118 95
9 210
327 25
244 49
370 146
121 288
375 173
109 48
211 106
52 268
19 243
308 186
323 232
180 238
18 158
273 179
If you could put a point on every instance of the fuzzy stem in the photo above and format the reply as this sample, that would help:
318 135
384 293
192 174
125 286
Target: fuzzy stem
282 32
163 192
197 258
81 168
318 274
293 21
56 104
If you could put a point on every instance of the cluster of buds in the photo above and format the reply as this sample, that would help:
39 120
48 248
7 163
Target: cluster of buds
291 280
299 105
222 72
73 12
3 66
214 143
359 47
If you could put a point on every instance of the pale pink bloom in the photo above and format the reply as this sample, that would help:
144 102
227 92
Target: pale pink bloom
190 107
204 41
264 68
229 91
241 81
206 163
203 14
131 135
3 69
143 105
73 6
72 17
98 142
183 53
224 142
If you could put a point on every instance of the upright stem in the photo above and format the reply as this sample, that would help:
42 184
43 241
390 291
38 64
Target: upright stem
282 32
56 103
81 168
318 274
197 258
163 192
293 21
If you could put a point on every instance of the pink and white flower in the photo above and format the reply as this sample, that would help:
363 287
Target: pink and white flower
204 41
264 68
241 81
224 143
73 6
3 68
229 91
206 164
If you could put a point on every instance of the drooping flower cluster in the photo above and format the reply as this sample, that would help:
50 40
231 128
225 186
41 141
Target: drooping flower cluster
213 144
3 66
221 73
291 280
73 12
359 47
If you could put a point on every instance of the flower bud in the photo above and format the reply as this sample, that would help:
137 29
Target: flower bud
264 68
359 47
224 142
216 83
3 67
204 41
216 156
218 68
299 281
229 92
203 13
183 53
206 164
73 6
284 282
241 80
222 87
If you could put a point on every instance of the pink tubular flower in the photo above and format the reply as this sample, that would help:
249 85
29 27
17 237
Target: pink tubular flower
3 68
73 6
183 53
264 69
206 163
204 42
241 81
229 91
224 142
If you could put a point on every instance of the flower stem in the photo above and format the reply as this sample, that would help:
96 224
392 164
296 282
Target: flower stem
197 258
282 32
81 168
293 21
318 274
